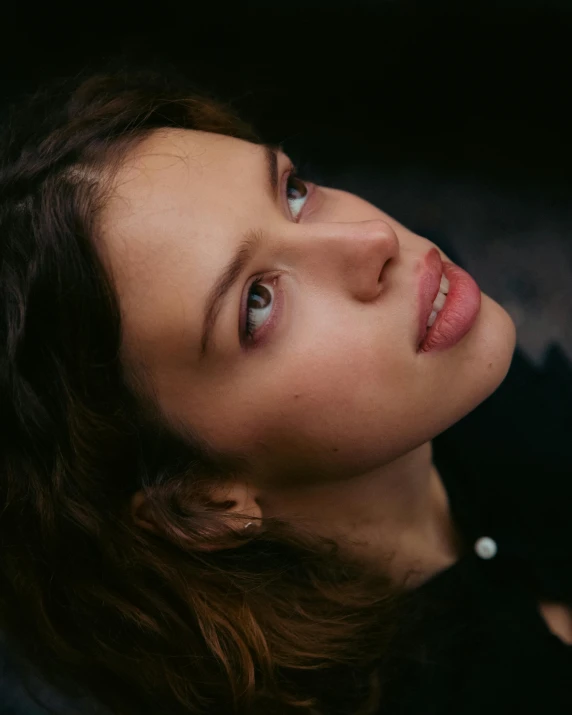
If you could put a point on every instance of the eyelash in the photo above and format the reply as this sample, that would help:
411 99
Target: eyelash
249 329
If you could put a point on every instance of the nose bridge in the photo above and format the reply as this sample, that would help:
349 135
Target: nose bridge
371 237
355 253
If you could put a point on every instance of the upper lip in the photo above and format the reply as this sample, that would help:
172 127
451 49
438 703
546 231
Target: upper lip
428 288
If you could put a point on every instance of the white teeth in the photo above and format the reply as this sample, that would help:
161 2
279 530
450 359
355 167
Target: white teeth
439 301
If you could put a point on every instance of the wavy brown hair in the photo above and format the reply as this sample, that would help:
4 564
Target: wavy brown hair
146 623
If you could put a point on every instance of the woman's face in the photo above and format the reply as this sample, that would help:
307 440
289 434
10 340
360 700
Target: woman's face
311 370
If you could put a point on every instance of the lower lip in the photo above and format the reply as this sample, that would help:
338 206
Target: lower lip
459 313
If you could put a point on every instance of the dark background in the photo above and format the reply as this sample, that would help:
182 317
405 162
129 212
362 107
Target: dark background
453 117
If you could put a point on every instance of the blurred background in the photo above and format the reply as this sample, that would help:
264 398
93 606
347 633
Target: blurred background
452 117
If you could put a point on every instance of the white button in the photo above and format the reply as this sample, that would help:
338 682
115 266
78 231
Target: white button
486 547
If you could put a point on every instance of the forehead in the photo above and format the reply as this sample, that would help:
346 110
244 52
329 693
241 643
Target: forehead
174 171
179 203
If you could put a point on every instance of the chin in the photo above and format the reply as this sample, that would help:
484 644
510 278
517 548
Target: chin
491 347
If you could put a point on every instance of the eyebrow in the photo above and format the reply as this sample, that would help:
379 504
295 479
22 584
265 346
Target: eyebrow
241 258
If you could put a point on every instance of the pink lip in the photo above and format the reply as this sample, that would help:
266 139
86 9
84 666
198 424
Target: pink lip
461 308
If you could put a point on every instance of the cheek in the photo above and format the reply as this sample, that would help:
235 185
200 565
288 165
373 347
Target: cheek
335 386
328 413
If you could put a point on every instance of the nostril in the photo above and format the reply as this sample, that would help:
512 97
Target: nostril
384 266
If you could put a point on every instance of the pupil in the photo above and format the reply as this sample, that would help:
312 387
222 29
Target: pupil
260 297
299 186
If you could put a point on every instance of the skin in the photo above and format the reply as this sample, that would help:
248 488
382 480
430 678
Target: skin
333 408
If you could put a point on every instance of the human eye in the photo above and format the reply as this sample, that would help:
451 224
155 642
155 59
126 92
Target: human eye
259 308
297 193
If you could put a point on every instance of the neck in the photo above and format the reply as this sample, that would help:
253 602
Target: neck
397 515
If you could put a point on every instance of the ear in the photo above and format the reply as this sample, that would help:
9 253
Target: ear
238 498
233 498
140 512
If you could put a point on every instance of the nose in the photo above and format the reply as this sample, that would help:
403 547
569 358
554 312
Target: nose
354 254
